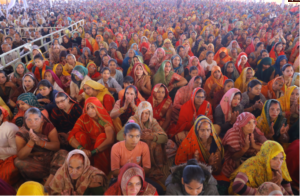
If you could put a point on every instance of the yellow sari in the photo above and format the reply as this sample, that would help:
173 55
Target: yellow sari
3 104
64 72
258 168
240 82
285 100
69 67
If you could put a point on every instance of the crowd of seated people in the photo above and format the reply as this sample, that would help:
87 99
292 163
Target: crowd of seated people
173 97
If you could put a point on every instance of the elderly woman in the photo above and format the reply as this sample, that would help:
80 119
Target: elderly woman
131 181
37 143
153 135
157 59
54 53
241 142
79 77
19 71
63 75
71 63
113 53
78 177
268 165
94 134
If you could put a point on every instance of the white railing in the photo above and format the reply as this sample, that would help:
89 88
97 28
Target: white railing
45 44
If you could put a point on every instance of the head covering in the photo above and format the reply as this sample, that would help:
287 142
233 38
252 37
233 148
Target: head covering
239 61
64 72
55 78
16 75
212 80
80 72
155 62
31 188
277 64
201 71
180 68
269 188
225 59
269 88
234 75
102 90
240 82
226 102
128 171
160 77
4 113
285 100
237 46
273 54
32 76
264 75
129 111
62 180
258 168
264 120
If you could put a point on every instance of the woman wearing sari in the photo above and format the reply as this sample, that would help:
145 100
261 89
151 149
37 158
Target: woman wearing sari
36 51
234 44
264 70
245 77
29 84
19 71
123 47
162 105
272 123
203 144
153 135
241 62
214 83
227 111
290 106
94 134
127 106
38 153
276 51
280 62
131 181
203 50
87 180
54 80
176 62
24 102
183 95
8 149
189 111
71 63
157 59
169 48
63 75
230 71
274 89
269 165
241 142
166 76
138 59
141 79
194 61
113 53
79 78
222 57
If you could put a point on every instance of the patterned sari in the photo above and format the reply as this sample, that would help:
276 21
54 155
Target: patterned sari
240 82
62 184
160 109
225 59
157 151
127 172
160 77
269 87
91 134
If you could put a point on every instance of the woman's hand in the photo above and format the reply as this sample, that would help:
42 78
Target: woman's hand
44 100
247 143
277 177
34 137
284 129
87 152
170 88
271 131
213 158
197 155
270 94
234 115
294 109
11 103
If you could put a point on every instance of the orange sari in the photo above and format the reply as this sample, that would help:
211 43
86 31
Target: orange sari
225 59
91 134
212 80
269 87
188 115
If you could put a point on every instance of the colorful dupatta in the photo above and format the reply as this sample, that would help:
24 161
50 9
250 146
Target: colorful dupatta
192 143
284 101
239 61
264 120
40 75
160 77
102 90
160 109
269 87
201 71
241 83
212 80
64 72
273 54
55 78
155 63
62 182
264 75
226 102
225 59
258 168
139 82
16 75
128 171
277 65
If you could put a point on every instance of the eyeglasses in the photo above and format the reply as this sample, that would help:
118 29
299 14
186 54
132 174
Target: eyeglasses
58 102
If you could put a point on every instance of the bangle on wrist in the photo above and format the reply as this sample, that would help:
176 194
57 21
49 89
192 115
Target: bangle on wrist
29 145
80 147
121 110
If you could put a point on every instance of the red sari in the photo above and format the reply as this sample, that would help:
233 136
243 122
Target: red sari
188 115
91 134
160 110
238 62
273 54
